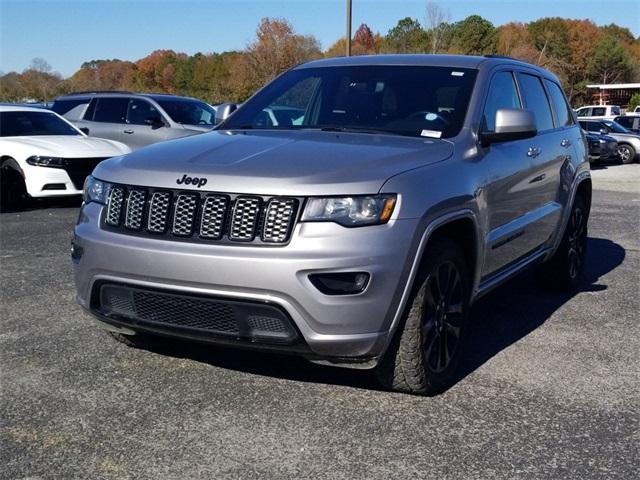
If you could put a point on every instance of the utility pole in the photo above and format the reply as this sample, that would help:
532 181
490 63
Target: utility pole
348 28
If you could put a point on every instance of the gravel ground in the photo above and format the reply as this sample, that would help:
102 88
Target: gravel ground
551 384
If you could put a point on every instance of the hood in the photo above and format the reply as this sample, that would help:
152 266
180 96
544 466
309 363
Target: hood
196 128
289 162
68 146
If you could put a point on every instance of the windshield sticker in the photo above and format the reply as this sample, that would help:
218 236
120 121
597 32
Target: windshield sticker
457 74
431 133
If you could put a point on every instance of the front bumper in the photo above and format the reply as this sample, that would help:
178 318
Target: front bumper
352 327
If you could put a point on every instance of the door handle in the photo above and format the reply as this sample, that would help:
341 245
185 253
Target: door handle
533 152
565 142
128 130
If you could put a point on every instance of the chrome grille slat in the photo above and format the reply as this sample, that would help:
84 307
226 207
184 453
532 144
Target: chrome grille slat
135 209
278 219
245 218
204 217
214 210
184 214
114 206
159 212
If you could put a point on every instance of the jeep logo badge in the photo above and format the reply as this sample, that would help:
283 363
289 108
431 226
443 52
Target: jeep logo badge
198 182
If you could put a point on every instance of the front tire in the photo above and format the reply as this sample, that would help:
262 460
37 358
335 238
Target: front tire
424 355
13 191
626 153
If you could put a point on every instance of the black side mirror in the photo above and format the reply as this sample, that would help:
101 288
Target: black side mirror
155 122
84 130
511 124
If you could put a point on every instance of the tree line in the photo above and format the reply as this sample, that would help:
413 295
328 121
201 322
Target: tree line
577 51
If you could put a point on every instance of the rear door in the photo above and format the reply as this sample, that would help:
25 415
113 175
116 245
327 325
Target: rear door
105 117
137 132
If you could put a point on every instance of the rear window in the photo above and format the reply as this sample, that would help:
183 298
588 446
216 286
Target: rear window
626 122
535 100
63 106
560 106
111 110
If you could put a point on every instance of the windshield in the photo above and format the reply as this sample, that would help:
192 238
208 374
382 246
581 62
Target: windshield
188 112
395 99
22 124
615 126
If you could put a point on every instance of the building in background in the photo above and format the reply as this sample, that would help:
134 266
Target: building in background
613 93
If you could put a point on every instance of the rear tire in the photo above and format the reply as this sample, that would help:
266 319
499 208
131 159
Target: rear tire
626 153
424 354
563 271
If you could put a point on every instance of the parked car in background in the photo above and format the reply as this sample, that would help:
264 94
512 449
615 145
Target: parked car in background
631 122
135 119
43 155
358 236
637 109
598 112
601 147
628 142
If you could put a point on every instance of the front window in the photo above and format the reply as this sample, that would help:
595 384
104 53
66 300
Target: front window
24 124
399 100
599 112
188 112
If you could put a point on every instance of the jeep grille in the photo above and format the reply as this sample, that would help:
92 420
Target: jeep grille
200 216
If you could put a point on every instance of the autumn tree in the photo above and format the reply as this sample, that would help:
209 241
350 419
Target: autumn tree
277 48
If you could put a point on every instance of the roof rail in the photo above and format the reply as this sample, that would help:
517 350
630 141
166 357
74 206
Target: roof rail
88 92
494 55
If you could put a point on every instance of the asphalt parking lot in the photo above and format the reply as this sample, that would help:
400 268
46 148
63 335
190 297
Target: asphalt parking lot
551 384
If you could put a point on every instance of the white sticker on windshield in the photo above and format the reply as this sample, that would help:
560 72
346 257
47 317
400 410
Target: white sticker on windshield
457 74
431 133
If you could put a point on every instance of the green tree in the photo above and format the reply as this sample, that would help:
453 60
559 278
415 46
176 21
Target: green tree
407 36
610 62
634 102
473 36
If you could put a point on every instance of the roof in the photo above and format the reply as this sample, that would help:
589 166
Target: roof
614 86
455 61
21 108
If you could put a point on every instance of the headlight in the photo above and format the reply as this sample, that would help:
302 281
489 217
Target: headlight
353 211
39 161
95 190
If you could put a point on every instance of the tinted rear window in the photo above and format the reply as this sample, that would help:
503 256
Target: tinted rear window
560 106
535 100
111 110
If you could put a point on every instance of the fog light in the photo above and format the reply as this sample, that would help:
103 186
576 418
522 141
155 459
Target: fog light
348 283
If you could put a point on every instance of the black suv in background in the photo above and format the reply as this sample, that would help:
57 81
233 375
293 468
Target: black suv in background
135 119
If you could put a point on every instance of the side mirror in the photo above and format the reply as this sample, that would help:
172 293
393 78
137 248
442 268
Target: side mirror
84 130
511 124
155 121
603 131
224 111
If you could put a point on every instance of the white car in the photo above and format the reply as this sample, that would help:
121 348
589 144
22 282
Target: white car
43 155
598 112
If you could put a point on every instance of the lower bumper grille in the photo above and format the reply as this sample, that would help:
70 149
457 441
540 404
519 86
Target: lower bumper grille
196 314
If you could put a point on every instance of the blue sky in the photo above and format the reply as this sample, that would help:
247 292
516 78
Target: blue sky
67 33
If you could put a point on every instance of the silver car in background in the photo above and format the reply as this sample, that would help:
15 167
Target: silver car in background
134 119
356 232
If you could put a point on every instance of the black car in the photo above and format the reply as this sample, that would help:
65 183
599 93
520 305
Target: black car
601 147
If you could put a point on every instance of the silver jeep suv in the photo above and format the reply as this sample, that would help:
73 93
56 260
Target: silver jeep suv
356 232
135 119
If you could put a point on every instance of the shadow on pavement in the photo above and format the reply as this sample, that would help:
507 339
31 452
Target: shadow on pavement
499 319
